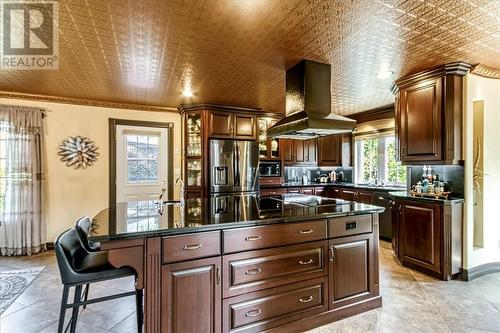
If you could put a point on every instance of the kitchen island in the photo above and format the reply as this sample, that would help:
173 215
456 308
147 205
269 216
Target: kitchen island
244 263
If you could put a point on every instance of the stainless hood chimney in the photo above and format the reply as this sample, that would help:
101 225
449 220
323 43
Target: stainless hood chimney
308 104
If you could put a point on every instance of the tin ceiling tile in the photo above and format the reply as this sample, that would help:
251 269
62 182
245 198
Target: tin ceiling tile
236 52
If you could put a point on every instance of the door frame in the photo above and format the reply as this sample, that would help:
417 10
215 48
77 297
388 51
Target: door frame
113 122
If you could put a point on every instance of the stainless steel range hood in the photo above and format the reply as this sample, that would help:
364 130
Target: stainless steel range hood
308 104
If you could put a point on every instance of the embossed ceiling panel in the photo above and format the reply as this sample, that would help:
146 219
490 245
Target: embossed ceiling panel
236 52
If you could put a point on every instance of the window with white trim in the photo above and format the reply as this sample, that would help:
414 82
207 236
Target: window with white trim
375 160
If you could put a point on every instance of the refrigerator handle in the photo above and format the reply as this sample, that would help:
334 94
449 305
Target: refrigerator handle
237 172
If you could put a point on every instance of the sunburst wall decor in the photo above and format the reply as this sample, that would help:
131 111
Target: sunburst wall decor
78 152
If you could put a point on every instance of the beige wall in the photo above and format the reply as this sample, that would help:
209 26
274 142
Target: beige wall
487 90
74 193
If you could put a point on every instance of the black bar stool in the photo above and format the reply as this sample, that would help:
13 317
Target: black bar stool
83 226
79 267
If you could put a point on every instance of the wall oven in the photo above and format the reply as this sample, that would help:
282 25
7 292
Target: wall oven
269 169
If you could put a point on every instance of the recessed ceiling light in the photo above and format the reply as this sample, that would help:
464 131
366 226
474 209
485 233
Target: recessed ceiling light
382 75
187 92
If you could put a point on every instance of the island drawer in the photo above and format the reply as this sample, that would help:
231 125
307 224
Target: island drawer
262 310
254 238
262 269
192 246
349 225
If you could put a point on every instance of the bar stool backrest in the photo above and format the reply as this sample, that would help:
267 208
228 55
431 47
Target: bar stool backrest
69 250
83 228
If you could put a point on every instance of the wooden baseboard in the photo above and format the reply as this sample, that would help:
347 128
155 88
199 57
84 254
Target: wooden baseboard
475 272
328 316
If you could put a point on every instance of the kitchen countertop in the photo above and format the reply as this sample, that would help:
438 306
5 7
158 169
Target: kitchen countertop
348 185
407 195
144 218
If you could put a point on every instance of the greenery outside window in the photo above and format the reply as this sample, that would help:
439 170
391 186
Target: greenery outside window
375 160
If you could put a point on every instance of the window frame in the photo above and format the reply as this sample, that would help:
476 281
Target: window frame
382 159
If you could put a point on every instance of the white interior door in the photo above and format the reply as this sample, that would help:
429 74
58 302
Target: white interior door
141 162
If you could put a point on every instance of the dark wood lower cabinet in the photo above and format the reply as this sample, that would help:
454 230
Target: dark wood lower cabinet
429 236
191 296
327 273
420 233
262 310
351 268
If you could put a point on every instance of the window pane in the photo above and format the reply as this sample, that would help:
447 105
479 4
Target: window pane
370 158
142 158
376 160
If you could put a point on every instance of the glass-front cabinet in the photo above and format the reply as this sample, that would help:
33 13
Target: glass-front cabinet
193 151
268 148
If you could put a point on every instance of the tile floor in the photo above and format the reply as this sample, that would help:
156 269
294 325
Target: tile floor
412 302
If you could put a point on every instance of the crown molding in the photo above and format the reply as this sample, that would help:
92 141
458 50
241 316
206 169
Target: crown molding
86 102
485 71
459 68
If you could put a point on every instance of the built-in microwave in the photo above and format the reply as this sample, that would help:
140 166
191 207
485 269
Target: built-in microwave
269 169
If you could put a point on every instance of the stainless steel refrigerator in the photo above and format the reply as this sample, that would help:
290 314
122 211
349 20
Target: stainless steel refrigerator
233 166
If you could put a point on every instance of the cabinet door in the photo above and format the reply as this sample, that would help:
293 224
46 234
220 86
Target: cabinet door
352 269
329 150
299 153
220 124
287 151
365 197
421 118
244 127
191 296
420 231
310 151
348 194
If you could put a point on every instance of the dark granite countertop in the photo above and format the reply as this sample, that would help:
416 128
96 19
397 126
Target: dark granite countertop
349 185
407 195
144 218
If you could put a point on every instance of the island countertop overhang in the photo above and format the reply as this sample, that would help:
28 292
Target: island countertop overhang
115 223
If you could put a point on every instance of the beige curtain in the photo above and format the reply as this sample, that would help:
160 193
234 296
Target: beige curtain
22 226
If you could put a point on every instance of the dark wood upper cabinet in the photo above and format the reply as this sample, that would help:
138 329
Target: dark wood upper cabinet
191 298
299 149
231 125
334 150
421 118
428 113
220 124
287 151
244 126
300 152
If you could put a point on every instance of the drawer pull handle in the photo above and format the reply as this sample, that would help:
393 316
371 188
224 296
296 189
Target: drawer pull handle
332 254
253 271
253 313
193 247
307 231
310 261
253 238
306 299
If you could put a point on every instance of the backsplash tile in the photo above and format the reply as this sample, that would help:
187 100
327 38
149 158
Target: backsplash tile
452 174
295 173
